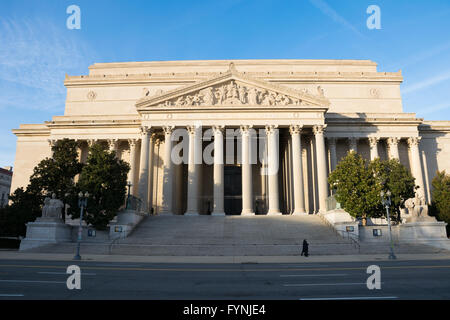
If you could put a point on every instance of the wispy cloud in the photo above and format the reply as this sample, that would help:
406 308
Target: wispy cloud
432 109
331 13
34 57
432 81
420 56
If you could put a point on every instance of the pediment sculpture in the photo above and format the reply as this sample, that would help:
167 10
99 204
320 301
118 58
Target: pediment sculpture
233 93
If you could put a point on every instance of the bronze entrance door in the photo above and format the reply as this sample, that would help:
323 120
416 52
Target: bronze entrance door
233 190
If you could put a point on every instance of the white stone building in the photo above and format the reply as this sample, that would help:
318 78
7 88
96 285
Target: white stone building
6 174
316 109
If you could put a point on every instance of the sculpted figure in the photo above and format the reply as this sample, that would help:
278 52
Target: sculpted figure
242 94
320 91
208 96
52 207
220 94
46 207
252 96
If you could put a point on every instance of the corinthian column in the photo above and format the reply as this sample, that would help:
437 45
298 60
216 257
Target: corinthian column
353 144
299 201
393 147
132 173
167 203
373 141
333 158
273 166
321 166
247 190
218 209
195 157
143 170
113 145
416 166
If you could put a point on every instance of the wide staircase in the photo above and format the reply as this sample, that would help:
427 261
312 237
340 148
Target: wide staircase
231 235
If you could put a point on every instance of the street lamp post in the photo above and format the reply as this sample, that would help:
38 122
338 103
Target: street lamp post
82 203
387 203
129 193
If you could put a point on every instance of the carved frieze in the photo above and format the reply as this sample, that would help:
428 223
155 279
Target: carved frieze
232 93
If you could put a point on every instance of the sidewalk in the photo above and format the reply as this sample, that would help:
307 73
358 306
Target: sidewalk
15 255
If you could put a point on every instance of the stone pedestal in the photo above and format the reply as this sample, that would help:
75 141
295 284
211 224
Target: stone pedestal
126 221
423 230
45 231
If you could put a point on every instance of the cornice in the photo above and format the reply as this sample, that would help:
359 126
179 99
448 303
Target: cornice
193 77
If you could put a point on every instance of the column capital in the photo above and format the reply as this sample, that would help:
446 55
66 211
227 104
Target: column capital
353 142
146 130
218 129
373 141
270 128
168 130
132 142
193 128
393 141
295 129
319 129
91 142
52 142
113 143
414 141
331 141
245 129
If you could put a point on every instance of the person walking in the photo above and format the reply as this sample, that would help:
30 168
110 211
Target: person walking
305 248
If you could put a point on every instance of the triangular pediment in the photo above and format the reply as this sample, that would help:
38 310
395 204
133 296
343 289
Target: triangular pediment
230 89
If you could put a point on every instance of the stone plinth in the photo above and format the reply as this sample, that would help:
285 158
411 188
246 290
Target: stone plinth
45 231
126 221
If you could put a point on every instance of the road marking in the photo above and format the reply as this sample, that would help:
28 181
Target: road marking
350 298
32 281
11 295
304 266
223 269
323 284
315 275
114 265
82 273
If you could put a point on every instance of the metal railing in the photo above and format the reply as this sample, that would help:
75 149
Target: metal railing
340 233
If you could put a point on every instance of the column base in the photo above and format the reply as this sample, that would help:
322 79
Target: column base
218 214
247 212
274 213
300 213
191 213
165 213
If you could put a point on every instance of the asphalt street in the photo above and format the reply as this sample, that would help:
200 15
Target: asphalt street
26 279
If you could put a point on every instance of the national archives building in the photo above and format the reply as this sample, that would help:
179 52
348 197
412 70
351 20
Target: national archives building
253 136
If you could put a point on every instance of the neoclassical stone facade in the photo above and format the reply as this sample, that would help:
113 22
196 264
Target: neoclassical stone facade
274 130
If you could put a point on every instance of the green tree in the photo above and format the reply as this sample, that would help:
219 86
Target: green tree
25 207
440 206
356 189
56 174
105 178
393 176
51 175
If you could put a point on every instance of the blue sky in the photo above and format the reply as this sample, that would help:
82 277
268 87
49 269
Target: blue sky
36 48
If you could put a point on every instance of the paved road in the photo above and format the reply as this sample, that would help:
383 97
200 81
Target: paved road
106 280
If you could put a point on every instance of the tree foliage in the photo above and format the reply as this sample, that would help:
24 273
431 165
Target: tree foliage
356 190
441 197
25 207
105 178
393 176
358 184
56 174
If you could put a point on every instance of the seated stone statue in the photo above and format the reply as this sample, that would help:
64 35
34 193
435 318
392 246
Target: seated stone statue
416 209
52 207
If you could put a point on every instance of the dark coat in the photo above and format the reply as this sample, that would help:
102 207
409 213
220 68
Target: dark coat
305 245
